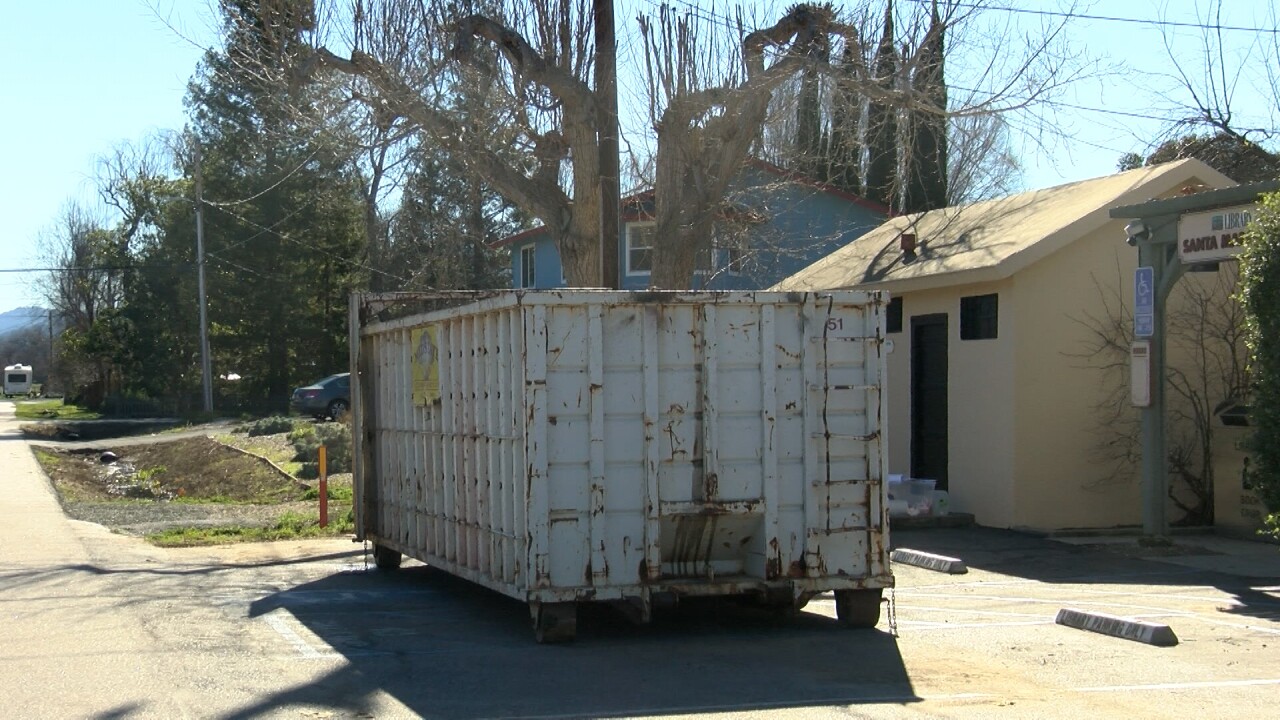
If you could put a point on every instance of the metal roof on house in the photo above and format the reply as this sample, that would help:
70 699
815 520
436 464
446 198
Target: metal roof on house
993 239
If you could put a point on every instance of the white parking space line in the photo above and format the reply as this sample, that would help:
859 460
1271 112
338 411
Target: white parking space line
1050 601
279 620
964 611
925 625
1206 685
1081 580
755 708
1130 610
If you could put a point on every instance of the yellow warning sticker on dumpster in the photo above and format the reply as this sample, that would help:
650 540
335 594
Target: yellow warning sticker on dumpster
426 365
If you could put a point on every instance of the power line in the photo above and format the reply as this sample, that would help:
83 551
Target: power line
313 248
268 189
97 268
729 23
1112 18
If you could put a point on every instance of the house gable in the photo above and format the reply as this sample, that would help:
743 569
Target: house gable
992 239
777 223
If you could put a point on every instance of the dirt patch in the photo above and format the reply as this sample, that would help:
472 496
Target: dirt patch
193 469
186 482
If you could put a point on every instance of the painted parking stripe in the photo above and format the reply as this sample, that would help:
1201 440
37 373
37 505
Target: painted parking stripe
279 620
1206 685
924 625
756 707
1148 610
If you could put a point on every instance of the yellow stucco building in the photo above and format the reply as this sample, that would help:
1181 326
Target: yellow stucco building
987 390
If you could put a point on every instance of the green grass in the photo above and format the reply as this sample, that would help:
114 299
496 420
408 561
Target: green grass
48 460
53 410
289 526
336 492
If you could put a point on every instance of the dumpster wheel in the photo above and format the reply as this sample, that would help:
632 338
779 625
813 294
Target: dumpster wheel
555 622
859 608
385 558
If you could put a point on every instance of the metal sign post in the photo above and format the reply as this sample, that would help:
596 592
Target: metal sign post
1163 256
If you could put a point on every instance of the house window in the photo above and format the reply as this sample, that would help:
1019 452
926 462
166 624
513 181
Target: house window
727 252
640 248
527 267
979 317
731 244
893 315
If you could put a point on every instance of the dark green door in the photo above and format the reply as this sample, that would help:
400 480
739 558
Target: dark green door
929 398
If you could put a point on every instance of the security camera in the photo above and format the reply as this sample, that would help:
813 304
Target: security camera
1136 231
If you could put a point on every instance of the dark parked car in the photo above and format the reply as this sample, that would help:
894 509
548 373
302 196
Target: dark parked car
329 397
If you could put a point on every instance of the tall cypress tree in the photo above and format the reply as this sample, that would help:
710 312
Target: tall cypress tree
926 160
844 147
809 136
882 121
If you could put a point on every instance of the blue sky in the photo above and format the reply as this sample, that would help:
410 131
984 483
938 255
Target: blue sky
83 76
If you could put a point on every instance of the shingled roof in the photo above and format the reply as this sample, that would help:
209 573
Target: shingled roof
993 239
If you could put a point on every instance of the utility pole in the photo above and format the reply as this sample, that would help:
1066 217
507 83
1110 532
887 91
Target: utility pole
607 106
48 381
206 371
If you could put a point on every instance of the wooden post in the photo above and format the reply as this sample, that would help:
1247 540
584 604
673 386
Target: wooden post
610 173
324 487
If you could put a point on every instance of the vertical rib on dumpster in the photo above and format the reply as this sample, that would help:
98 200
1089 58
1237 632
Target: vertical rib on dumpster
768 428
538 510
649 378
596 450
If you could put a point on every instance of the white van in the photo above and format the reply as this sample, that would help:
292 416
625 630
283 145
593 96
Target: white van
17 380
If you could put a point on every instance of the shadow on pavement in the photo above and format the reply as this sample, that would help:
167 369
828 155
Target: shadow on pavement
12 579
447 648
1036 558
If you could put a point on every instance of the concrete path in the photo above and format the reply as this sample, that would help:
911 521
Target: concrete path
60 631
33 529
101 625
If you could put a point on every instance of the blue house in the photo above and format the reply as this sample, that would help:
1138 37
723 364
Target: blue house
777 223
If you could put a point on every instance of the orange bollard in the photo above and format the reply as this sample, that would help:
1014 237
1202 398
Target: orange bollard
324 488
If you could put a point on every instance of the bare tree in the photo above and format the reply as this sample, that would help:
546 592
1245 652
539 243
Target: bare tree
129 180
709 121
982 164
408 59
85 281
1207 367
1202 91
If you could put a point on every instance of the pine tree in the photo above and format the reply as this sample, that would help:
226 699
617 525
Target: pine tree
284 225
926 155
882 122
442 232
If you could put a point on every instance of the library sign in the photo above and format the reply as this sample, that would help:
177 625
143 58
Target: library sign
1205 237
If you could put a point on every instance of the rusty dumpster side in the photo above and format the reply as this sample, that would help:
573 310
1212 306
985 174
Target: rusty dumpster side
578 445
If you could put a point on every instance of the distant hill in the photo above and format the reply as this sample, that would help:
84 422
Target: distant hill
20 318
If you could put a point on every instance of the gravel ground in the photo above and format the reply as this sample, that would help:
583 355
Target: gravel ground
143 517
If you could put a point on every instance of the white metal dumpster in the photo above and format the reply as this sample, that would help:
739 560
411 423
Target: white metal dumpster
578 445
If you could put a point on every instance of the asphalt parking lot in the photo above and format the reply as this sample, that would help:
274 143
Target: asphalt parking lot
977 645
